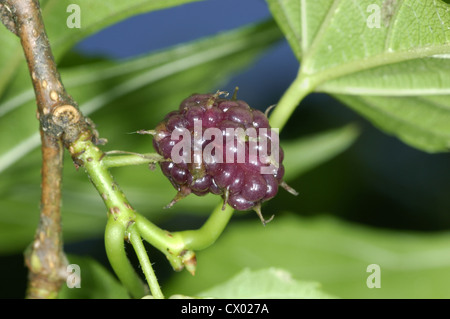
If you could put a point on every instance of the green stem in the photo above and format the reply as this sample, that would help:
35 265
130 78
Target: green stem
144 260
169 244
117 257
209 232
301 87
175 244
120 213
92 160
131 159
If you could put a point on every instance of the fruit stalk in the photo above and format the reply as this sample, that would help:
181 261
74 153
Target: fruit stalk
299 88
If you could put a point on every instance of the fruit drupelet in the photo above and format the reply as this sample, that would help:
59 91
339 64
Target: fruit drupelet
221 146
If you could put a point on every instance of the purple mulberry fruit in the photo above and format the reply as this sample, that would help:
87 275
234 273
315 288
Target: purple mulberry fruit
221 146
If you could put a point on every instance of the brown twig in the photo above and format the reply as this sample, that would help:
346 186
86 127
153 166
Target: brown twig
45 257
60 123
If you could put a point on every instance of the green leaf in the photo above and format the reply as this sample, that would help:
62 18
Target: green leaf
374 55
419 121
271 283
426 76
96 282
94 16
299 20
329 251
120 97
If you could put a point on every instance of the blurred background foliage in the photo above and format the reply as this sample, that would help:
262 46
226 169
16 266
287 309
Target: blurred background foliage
365 197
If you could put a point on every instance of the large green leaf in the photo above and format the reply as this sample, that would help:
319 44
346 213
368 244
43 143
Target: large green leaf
269 283
299 20
389 60
94 15
334 253
406 116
